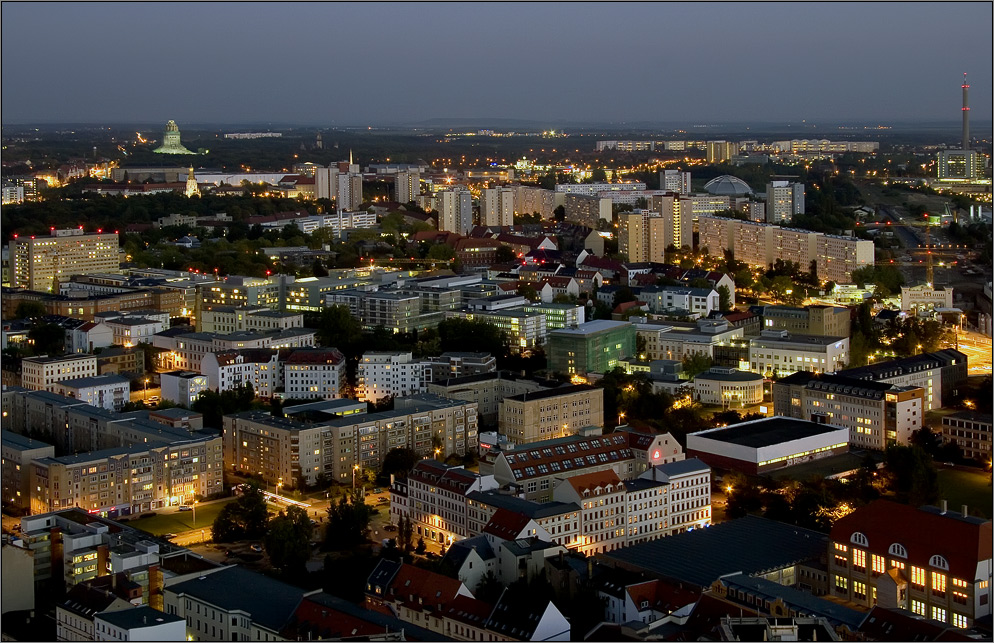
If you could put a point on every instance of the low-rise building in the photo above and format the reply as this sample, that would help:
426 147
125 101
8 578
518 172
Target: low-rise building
675 340
552 413
728 387
767 444
437 500
970 431
263 368
931 562
40 373
458 364
524 331
138 624
831 321
88 336
778 352
183 387
109 392
234 319
876 414
925 297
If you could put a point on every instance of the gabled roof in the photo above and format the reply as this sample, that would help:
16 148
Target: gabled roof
420 589
506 524
461 549
315 356
926 532
564 456
596 483
516 615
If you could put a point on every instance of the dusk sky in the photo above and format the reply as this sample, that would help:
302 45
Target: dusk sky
375 64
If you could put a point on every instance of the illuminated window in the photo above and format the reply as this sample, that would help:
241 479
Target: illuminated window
878 563
917 577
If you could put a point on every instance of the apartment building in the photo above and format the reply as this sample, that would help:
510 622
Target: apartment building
528 200
831 321
263 368
384 374
778 352
130 479
675 181
88 336
18 452
497 206
784 199
876 414
437 500
314 373
761 244
721 151
38 262
187 350
535 468
406 186
553 413
295 452
929 561
109 392
455 211
677 299
586 209
939 374
42 373
972 432
183 387
402 310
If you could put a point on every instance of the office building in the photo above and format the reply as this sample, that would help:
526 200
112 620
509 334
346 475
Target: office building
970 431
552 413
383 374
594 347
675 181
939 374
876 414
455 211
497 206
486 390
784 199
459 364
959 166
39 262
677 340
778 352
832 321
929 561
234 319
525 331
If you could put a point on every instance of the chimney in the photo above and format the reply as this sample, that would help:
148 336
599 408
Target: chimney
964 511
944 507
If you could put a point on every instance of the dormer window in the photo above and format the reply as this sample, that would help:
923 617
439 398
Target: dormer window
938 562
898 550
859 538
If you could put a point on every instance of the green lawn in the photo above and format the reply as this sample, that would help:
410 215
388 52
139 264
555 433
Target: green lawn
966 488
180 521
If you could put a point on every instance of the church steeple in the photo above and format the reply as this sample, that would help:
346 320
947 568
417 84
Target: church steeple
192 189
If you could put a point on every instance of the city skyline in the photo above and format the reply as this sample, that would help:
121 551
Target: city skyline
401 64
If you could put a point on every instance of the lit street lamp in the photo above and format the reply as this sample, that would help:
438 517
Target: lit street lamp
354 469
145 391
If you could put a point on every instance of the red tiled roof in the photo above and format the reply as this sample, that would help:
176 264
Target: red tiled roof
738 315
412 583
923 534
591 482
628 305
471 611
506 524
454 479
660 596
561 458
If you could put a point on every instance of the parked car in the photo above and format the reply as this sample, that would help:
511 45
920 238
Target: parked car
256 547
154 398
377 490
389 527
185 508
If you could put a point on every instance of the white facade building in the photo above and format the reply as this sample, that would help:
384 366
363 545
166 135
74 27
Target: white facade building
455 211
781 353
109 392
497 207
784 199
89 336
675 181
314 373
391 373
138 624
40 373
183 387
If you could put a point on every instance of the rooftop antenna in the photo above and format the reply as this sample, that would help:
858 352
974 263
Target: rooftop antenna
966 114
